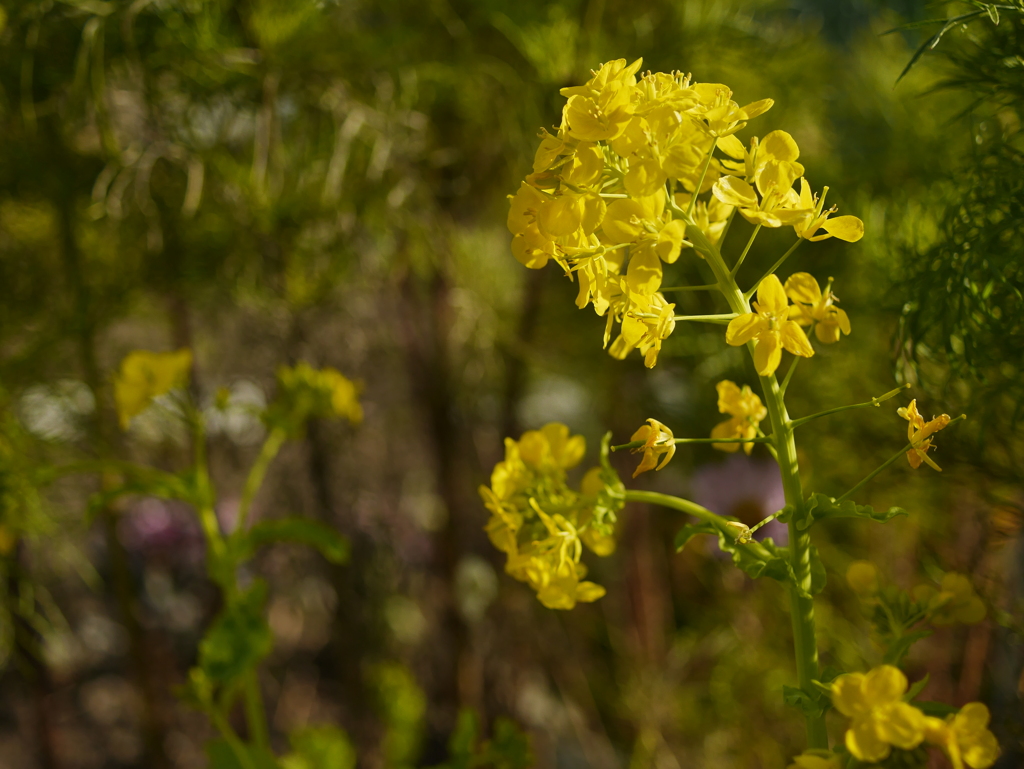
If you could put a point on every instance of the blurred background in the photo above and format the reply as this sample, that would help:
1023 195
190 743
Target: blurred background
275 181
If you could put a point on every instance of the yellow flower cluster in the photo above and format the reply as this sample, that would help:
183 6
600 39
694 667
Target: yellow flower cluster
146 375
631 167
306 392
541 524
746 411
881 720
954 602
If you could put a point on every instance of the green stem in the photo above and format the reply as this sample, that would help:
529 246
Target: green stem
721 319
232 739
789 375
837 409
708 287
720 522
743 256
271 446
801 608
703 173
772 269
886 463
255 713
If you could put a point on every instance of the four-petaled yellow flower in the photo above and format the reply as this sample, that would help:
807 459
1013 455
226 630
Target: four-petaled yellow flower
146 375
746 410
658 441
965 737
919 433
771 327
881 719
812 306
954 602
848 228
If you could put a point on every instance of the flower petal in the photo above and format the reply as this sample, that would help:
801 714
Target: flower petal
848 228
768 353
735 192
744 328
802 287
771 297
794 339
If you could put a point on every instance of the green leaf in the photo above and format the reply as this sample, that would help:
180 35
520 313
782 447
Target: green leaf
916 689
462 744
238 639
937 709
899 648
320 747
510 748
332 545
691 530
223 756
814 705
820 507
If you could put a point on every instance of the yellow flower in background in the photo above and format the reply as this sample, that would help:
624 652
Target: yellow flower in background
881 719
814 307
552 446
746 410
146 375
770 326
8 539
848 228
954 602
862 577
310 392
658 442
965 737
816 759
919 433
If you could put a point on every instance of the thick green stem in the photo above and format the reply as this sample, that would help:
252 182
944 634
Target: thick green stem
801 609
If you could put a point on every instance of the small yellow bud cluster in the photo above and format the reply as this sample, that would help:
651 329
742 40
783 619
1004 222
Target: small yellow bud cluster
146 375
746 411
541 524
954 602
631 174
881 720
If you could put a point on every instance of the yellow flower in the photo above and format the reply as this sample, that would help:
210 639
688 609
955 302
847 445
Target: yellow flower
880 717
816 759
747 412
848 228
862 577
658 441
811 306
919 432
540 523
601 109
647 321
955 601
965 737
771 327
146 375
